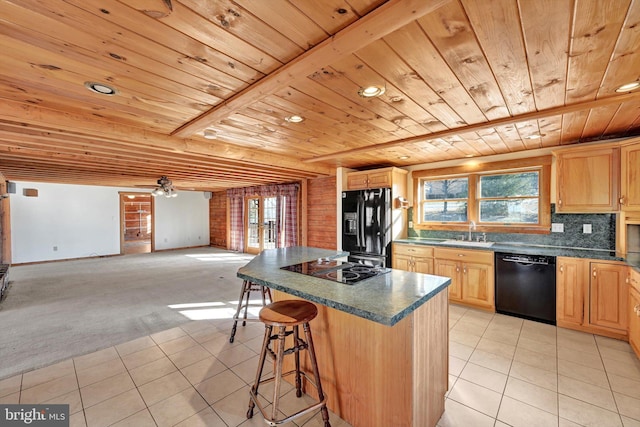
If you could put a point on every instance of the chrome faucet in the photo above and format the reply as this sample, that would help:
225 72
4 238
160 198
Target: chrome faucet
472 226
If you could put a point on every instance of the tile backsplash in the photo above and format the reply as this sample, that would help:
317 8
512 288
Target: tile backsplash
603 235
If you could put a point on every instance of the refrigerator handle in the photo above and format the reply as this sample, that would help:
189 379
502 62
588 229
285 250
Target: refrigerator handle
358 225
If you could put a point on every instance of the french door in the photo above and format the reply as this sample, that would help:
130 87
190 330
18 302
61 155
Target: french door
260 224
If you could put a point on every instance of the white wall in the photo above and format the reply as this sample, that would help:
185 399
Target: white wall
83 221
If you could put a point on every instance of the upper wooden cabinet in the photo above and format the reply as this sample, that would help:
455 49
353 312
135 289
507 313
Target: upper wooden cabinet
630 177
377 178
587 179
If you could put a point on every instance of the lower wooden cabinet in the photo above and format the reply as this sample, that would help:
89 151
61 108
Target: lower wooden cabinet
634 320
472 275
471 271
415 258
634 310
592 296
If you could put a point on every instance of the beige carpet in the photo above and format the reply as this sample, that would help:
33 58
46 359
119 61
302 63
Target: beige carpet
54 311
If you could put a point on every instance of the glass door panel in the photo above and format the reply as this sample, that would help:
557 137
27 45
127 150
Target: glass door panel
261 224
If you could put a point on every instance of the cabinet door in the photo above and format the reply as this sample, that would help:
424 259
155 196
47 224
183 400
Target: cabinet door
357 180
447 268
587 180
634 320
477 284
423 265
402 262
379 179
608 296
630 178
570 285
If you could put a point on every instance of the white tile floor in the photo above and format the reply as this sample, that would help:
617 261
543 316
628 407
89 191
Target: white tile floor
185 376
503 372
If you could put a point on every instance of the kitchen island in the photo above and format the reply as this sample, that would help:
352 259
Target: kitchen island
382 343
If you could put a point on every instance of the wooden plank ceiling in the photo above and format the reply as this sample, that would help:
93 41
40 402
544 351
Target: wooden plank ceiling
462 77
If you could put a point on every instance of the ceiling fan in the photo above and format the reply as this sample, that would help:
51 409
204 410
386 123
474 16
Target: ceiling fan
165 188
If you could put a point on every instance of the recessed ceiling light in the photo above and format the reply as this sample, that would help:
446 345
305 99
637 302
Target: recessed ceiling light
396 98
534 136
403 157
371 91
294 119
468 155
210 134
628 87
100 88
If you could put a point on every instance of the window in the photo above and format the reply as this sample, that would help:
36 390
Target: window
506 196
509 198
445 200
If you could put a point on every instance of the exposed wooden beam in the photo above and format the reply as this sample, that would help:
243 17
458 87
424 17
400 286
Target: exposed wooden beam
384 20
93 128
551 112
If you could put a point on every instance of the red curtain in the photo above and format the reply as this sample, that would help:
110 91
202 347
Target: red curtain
286 213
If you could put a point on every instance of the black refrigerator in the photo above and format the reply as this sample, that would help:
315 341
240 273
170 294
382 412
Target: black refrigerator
366 226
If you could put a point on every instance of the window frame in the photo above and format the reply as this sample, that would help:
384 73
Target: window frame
473 172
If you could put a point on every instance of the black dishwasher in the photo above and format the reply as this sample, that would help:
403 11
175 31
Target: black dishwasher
526 286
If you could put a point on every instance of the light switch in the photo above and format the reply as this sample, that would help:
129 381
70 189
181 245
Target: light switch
557 227
586 228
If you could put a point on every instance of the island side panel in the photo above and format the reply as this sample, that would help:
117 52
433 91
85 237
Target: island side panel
431 360
368 369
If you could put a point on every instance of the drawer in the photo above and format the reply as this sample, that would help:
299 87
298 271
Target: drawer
413 250
464 255
634 279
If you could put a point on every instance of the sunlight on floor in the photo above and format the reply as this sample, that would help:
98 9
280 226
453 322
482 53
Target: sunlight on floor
222 310
239 258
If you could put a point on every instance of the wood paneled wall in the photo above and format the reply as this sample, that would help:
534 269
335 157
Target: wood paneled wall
218 219
322 218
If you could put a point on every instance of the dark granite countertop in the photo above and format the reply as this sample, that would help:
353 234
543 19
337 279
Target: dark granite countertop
524 248
384 299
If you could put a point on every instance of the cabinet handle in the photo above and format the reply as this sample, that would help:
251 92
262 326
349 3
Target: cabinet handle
562 269
457 269
621 200
594 272
560 202
464 270
460 254
636 309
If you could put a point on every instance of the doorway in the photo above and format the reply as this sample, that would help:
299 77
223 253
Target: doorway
136 223
260 224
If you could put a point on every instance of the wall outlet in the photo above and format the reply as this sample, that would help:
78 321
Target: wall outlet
586 228
557 227
410 224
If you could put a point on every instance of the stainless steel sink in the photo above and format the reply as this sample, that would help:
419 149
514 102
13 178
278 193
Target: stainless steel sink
468 243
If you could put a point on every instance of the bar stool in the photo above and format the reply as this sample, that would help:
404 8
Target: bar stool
245 293
284 314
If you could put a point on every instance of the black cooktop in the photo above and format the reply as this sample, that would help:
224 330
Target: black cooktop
337 271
